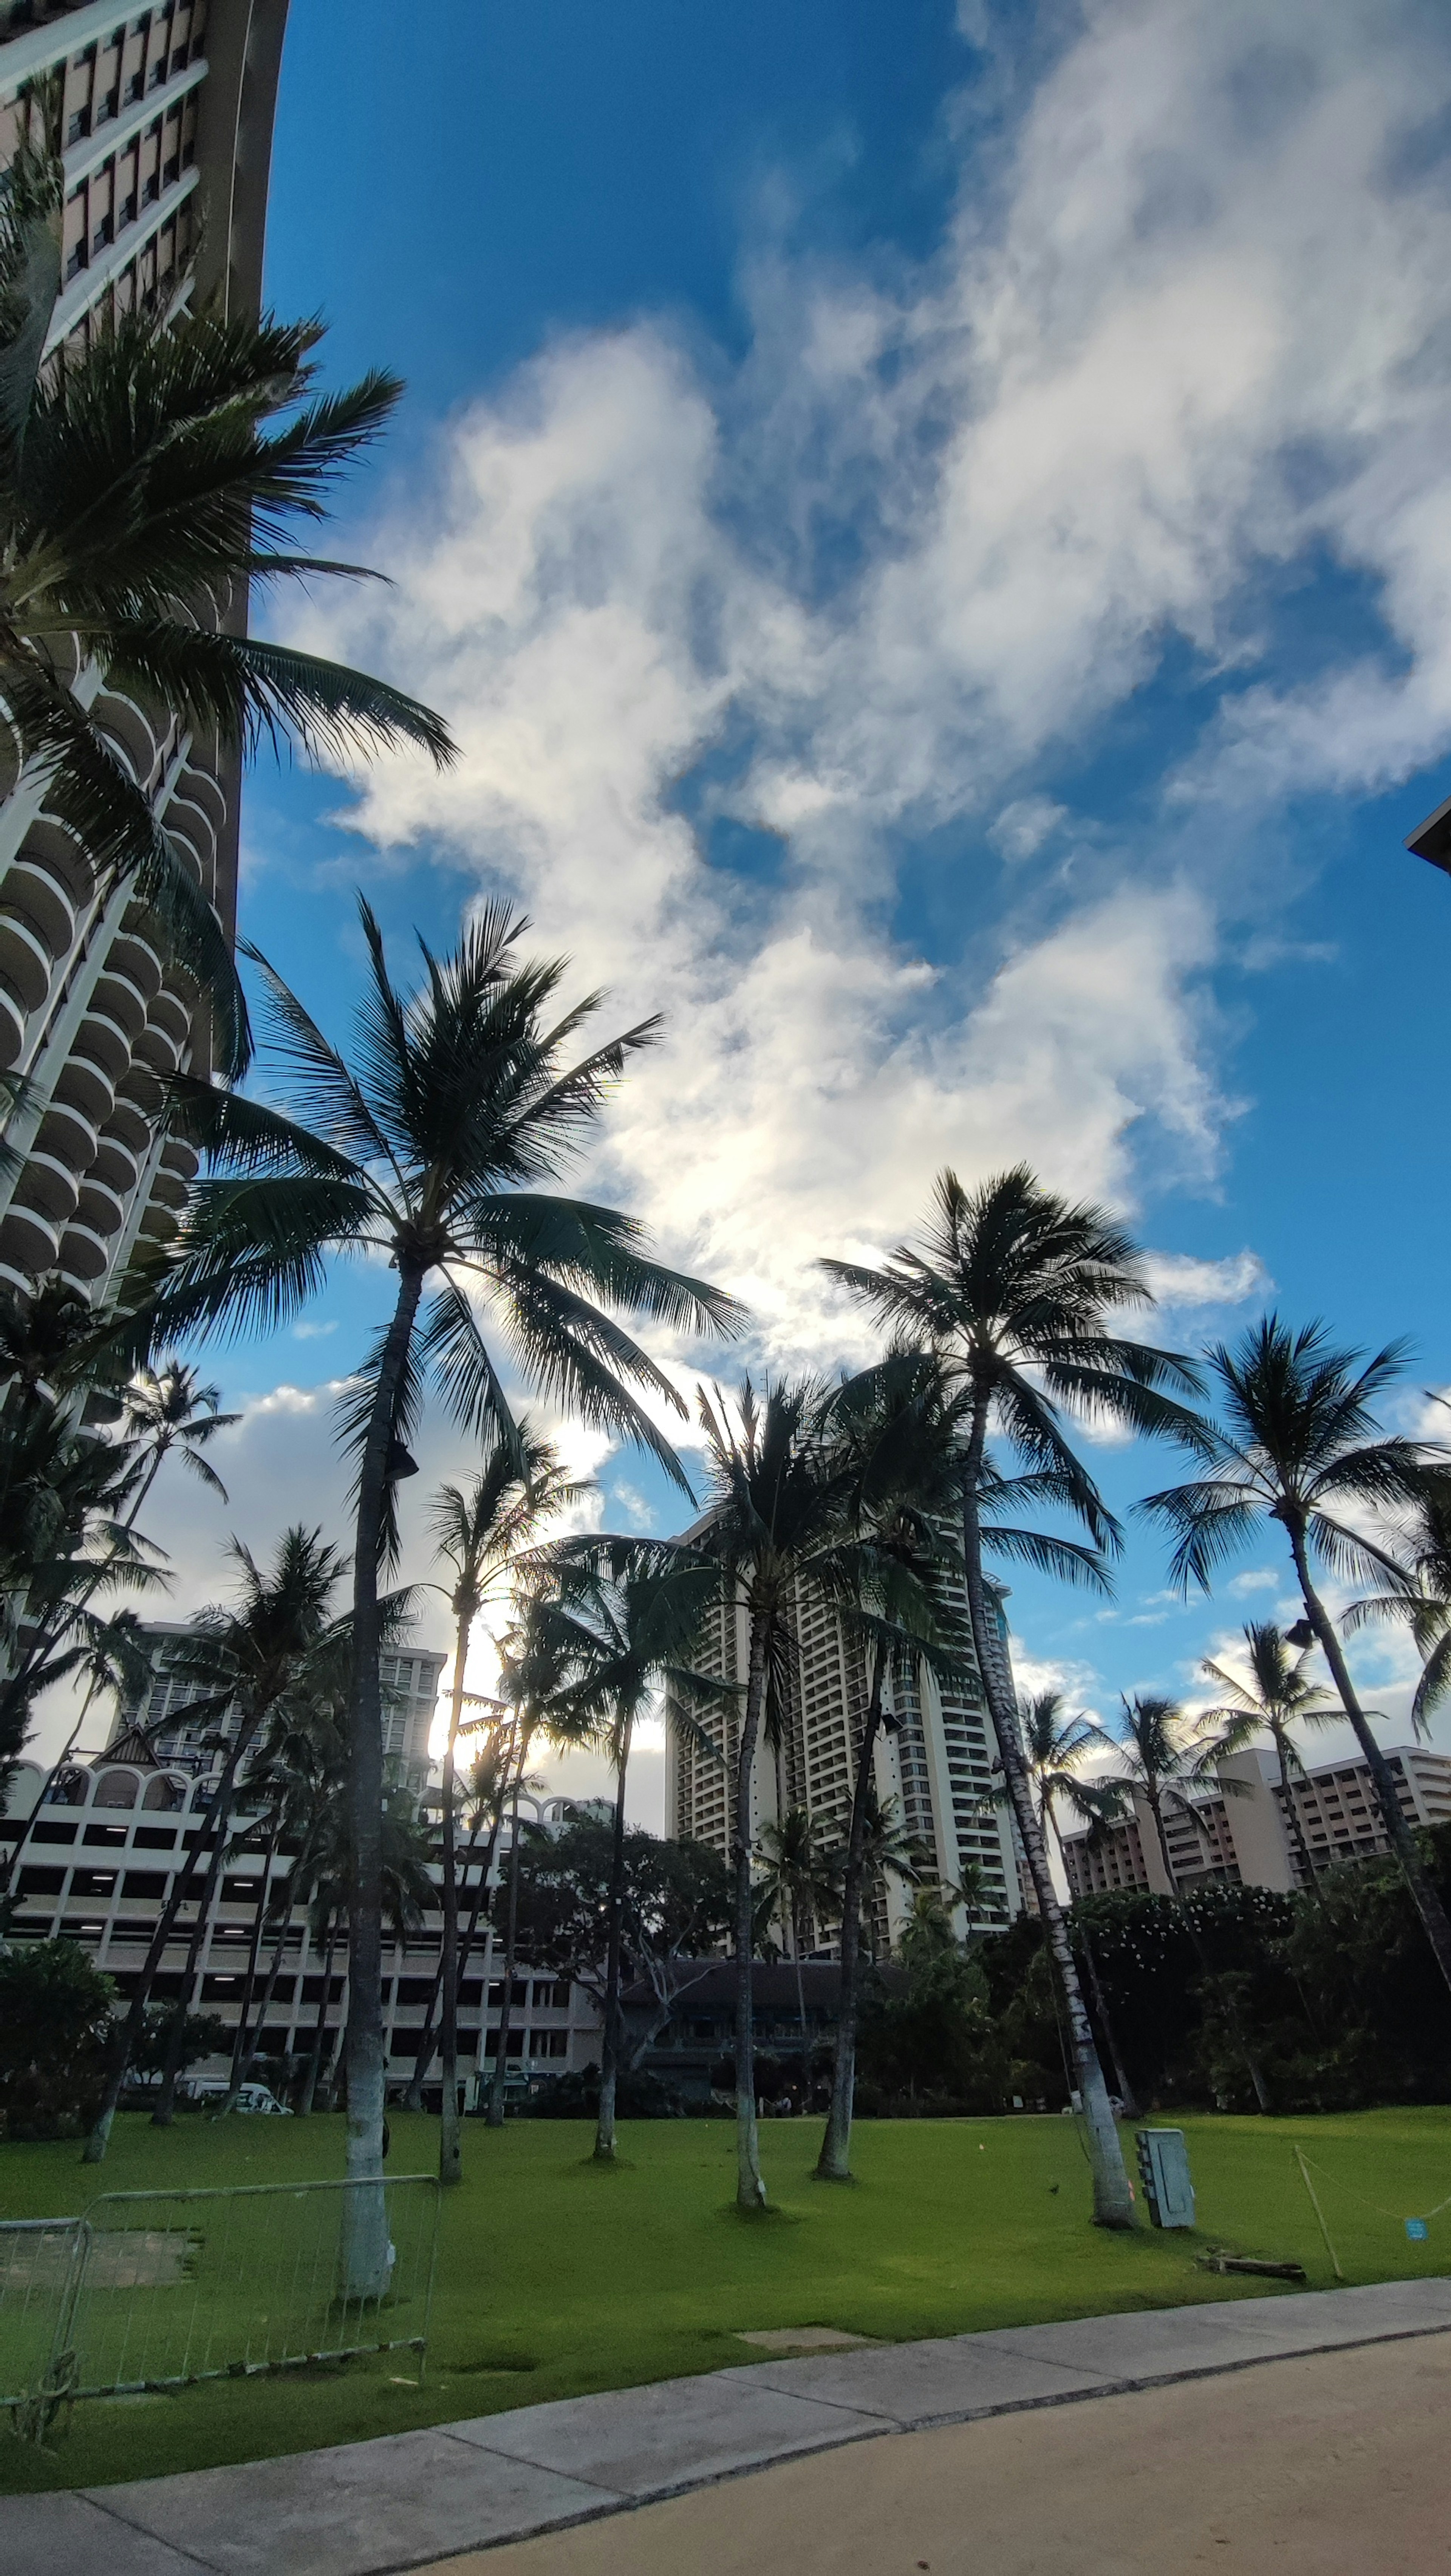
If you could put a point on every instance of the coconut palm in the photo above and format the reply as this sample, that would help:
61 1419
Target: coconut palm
1420 1597
480 1790
1275 1698
1297 1443
1054 1748
1014 1288
167 1409
480 1532
778 1515
800 1884
245 1660
433 1150
535 1674
624 1621
148 477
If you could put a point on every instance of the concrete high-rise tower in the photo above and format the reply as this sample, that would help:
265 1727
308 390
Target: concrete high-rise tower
167 134
935 1766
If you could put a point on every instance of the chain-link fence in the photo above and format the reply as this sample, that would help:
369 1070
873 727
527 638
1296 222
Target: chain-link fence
41 2260
155 2289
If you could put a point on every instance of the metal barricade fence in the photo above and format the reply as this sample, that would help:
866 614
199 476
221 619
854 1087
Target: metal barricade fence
41 2262
169 2287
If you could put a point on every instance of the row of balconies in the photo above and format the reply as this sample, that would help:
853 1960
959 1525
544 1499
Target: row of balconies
95 1138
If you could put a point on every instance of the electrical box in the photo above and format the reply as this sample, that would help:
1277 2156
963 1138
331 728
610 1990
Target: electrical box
1164 2166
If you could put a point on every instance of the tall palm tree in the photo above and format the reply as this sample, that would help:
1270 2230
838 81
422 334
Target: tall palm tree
1164 1759
777 1515
166 1409
245 1659
1298 1443
623 1622
480 1533
801 1883
432 1150
480 1794
1420 1597
534 1681
1275 1698
1015 1288
147 478
1054 1748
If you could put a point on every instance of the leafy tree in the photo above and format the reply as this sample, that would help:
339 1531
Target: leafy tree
1014 1289
147 479
202 2035
430 1150
675 1906
1298 1444
800 1885
927 2040
55 2012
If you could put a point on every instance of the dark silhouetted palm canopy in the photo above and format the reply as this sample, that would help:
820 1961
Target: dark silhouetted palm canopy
1015 1290
1297 1443
1421 1598
624 1623
143 488
433 1147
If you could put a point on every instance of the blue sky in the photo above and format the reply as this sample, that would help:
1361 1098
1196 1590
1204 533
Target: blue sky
933 529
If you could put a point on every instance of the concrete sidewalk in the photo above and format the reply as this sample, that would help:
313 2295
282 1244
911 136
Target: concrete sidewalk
371 2507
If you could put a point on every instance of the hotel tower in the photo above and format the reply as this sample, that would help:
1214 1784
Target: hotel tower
167 132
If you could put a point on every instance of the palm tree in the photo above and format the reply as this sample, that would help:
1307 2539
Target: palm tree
165 1409
534 1680
1420 1596
431 1152
777 1515
148 478
1276 1697
801 1882
623 1623
1054 1747
481 1809
1164 1760
1014 1289
247 1660
480 1534
1298 1444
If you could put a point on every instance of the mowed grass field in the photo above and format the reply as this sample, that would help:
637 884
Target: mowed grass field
556 2277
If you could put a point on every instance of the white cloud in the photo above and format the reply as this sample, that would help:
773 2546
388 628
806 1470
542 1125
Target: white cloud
1258 1578
1177 1279
1023 826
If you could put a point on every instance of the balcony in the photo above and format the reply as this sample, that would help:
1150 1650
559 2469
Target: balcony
116 1165
12 1030
129 1126
157 1047
53 847
49 1185
83 1254
120 999
102 1041
68 1134
102 1209
85 1086
27 1243
25 962
130 733
39 899
136 959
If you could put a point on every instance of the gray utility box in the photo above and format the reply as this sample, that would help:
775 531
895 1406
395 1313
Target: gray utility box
1164 2165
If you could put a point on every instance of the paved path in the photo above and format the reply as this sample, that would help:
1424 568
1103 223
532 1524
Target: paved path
370 2507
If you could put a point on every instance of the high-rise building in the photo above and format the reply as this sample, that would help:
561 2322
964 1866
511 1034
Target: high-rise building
1247 1836
166 128
934 1766
156 1723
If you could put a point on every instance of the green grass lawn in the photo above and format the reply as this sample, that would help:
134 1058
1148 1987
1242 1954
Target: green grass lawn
555 2277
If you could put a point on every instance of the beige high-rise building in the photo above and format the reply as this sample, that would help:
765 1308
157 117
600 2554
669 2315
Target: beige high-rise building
167 133
935 1766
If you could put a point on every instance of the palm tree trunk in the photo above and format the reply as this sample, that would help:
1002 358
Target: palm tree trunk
1403 1842
126 2033
428 2036
450 2138
750 2189
604 2147
834 2162
365 2264
314 2063
506 2008
165 2111
1100 1999
240 2057
249 2062
1112 2200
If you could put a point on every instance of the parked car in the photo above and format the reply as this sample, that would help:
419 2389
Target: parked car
253 2097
